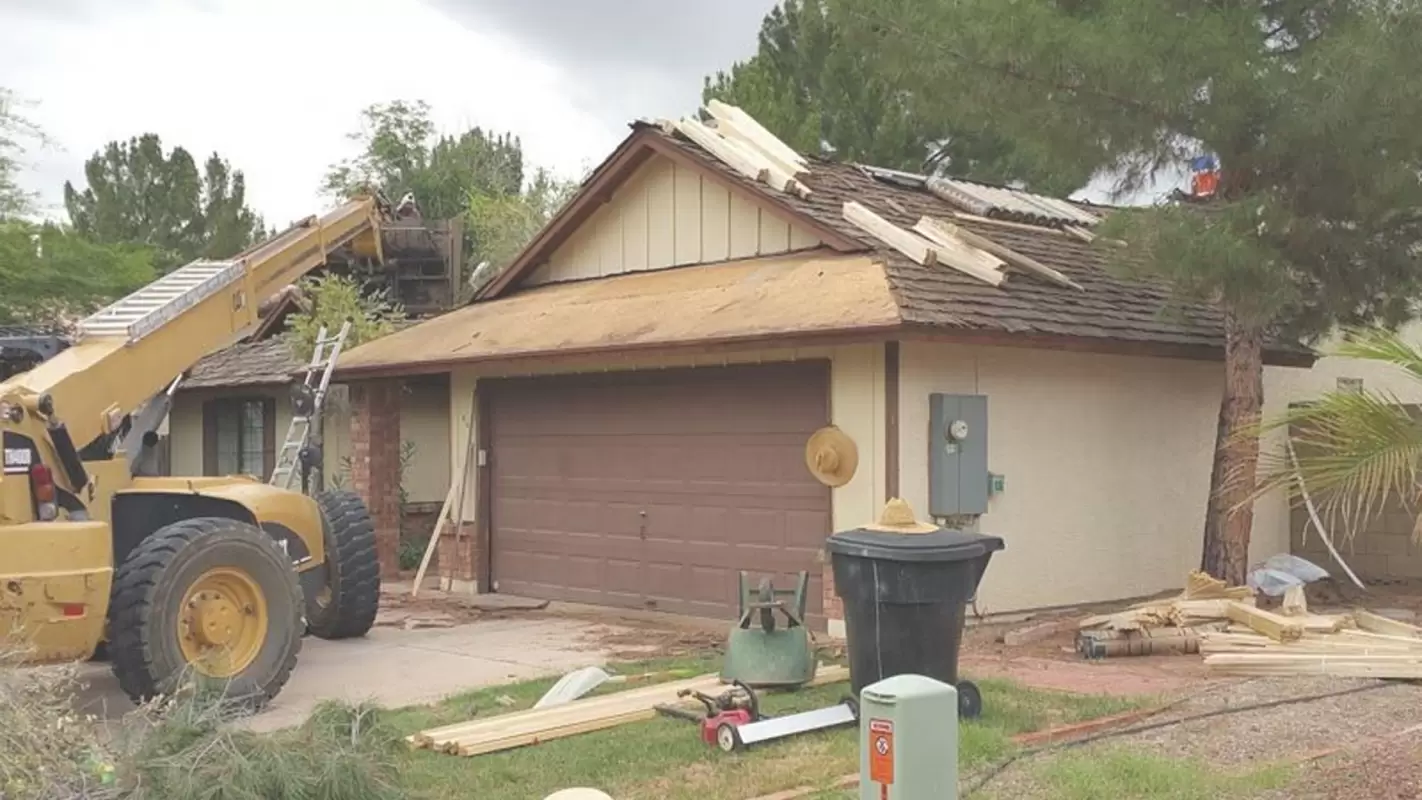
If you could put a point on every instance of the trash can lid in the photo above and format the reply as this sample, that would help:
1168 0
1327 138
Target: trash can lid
940 545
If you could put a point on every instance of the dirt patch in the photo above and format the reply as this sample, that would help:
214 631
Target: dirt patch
648 641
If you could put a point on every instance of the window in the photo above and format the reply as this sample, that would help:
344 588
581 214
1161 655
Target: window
239 436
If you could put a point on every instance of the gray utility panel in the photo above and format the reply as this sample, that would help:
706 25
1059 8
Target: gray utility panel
958 477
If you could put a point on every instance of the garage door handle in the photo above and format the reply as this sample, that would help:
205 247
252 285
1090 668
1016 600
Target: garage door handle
643 528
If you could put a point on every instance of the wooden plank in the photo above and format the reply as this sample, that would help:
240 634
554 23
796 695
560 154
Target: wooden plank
910 244
747 161
752 129
1295 603
1020 260
1377 623
1268 623
522 728
1398 667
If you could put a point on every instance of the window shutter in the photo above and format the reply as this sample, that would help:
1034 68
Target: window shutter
268 437
210 410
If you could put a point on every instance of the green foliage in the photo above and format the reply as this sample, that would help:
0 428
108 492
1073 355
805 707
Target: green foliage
50 273
412 551
331 300
815 88
1128 773
1302 103
341 753
400 153
138 194
1359 452
502 223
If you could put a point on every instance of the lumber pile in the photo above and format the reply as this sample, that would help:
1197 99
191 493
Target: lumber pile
1181 624
1358 645
600 712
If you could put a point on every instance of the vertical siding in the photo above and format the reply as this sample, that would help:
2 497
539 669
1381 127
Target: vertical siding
424 421
1106 461
668 215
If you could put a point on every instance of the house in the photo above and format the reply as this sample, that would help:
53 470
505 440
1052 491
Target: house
644 378
232 412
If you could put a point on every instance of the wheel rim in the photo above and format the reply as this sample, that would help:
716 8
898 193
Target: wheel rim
223 622
726 738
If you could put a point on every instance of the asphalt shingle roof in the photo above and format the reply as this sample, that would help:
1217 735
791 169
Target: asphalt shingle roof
1111 307
262 363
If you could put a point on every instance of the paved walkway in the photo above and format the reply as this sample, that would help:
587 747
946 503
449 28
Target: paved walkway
395 667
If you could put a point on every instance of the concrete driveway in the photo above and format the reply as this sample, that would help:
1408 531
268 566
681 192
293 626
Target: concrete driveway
395 667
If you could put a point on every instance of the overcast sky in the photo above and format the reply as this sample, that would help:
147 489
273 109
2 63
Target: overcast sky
274 85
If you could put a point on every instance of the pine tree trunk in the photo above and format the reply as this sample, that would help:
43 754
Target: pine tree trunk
1227 523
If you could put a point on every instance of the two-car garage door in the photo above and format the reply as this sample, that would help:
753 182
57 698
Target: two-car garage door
651 489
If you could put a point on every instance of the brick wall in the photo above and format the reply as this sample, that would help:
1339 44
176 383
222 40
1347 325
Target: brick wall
457 553
375 463
1384 550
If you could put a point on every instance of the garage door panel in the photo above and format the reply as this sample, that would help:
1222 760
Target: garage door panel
651 490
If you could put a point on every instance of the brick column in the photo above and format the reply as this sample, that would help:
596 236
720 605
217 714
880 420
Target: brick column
457 551
375 463
834 607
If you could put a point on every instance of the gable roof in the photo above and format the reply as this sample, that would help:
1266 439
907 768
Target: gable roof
265 362
1108 308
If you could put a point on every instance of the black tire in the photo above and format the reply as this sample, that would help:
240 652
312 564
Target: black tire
970 700
348 609
152 583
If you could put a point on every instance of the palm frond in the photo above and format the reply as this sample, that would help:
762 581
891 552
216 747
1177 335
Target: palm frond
1358 452
1380 344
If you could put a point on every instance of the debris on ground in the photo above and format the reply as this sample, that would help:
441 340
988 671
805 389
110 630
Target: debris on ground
600 712
573 685
1239 638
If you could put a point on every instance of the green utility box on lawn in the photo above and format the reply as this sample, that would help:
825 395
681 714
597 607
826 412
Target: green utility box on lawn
908 739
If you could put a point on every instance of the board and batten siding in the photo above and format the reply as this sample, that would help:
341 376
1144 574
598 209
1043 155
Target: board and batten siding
670 215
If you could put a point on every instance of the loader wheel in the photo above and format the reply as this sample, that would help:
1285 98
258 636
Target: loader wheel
345 607
213 596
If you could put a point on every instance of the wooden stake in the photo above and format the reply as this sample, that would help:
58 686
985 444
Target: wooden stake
444 511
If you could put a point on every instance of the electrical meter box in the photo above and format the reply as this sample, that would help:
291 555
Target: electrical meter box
908 739
958 479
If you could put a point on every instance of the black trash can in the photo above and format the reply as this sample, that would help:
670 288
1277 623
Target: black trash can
905 596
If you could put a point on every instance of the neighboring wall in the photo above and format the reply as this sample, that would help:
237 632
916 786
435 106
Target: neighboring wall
856 405
668 215
1106 461
1378 552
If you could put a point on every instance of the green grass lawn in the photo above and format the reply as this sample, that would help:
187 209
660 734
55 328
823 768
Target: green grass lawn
665 758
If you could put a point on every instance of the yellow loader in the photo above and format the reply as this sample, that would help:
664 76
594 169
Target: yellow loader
209 576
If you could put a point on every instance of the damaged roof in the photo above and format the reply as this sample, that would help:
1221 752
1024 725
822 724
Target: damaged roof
1085 306
266 362
1108 306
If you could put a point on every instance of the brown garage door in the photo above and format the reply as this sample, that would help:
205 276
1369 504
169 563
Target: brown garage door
651 489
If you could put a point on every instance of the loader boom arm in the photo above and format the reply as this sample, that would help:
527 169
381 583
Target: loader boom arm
130 350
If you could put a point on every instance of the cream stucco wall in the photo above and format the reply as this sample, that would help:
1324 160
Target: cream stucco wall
1106 462
856 405
1283 386
424 420
667 215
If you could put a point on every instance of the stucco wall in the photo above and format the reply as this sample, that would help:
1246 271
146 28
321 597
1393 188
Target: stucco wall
669 215
856 405
1106 462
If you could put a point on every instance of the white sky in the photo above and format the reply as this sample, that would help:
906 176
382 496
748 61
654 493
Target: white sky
273 86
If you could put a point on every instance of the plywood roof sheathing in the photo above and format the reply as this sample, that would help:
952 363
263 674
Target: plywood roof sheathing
916 247
1007 254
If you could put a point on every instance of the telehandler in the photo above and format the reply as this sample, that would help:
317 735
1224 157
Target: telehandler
177 577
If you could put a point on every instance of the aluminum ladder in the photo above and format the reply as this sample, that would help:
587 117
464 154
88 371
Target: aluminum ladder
298 433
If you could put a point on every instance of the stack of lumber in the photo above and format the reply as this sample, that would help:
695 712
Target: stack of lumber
1163 626
523 728
1359 645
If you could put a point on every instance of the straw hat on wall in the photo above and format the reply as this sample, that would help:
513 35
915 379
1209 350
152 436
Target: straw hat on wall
831 456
